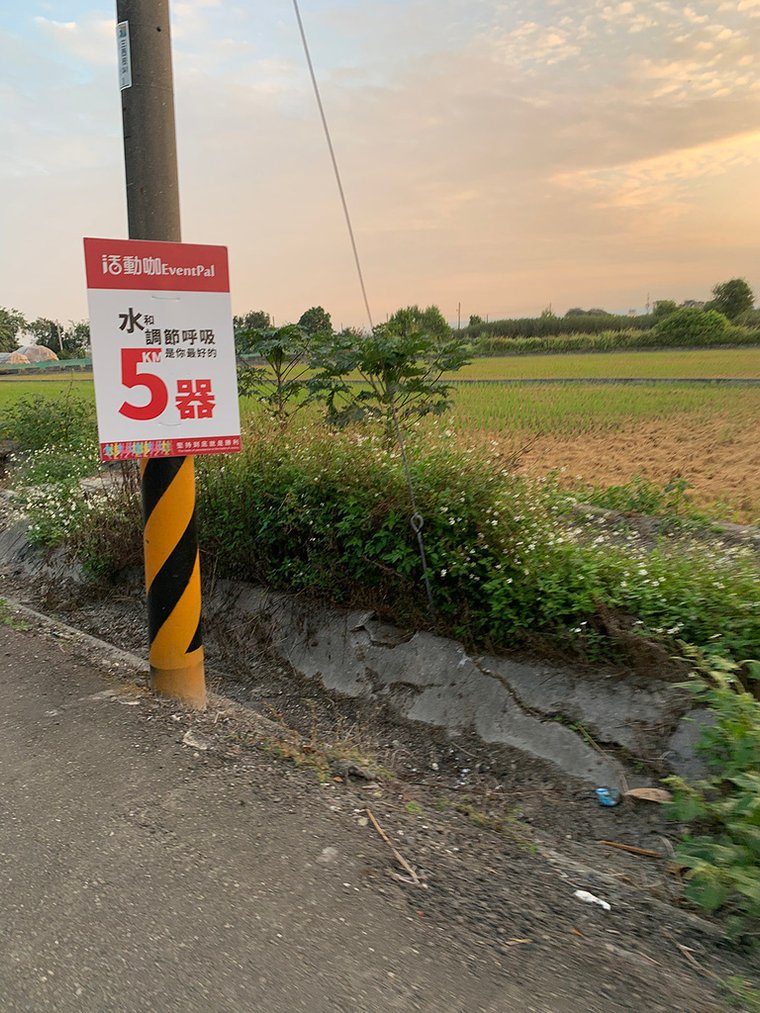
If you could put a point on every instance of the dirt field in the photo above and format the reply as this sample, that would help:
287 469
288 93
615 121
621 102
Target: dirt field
607 436
722 467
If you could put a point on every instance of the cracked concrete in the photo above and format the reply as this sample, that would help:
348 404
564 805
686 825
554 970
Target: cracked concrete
579 721
530 706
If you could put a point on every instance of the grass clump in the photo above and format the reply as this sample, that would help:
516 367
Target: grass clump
721 850
57 447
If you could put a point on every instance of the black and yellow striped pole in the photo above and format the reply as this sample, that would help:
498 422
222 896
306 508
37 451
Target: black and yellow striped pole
172 570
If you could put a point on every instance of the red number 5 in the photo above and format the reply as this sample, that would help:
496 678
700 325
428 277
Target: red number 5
131 358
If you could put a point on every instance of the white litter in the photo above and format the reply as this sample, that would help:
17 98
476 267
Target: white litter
589 898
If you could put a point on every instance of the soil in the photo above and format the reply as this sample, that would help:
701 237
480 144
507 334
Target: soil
500 841
720 462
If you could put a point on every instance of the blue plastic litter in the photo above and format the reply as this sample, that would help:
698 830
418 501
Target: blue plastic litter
608 796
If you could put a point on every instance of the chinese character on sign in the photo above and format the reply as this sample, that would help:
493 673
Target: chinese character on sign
111 263
132 265
152 265
195 399
130 320
163 349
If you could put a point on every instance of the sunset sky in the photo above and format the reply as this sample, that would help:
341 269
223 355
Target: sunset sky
507 155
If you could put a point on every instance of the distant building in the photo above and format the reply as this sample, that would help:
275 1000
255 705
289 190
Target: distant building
38 353
693 304
13 359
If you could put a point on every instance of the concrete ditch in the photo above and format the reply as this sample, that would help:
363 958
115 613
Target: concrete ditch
602 727
599 727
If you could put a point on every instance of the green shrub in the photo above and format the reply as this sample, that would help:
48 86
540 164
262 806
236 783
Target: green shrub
36 422
548 326
722 852
608 341
691 326
329 514
642 496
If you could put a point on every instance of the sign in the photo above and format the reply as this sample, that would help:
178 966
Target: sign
163 350
125 55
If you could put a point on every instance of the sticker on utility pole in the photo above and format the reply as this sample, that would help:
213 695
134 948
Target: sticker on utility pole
125 55
163 350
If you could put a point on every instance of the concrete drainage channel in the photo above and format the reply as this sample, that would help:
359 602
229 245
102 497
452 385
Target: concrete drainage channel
590 725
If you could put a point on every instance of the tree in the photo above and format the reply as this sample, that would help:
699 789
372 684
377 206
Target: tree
11 324
413 320
284 386
316 321
76 338
691 326
732 298
595 311
663 308
253 320
475 320
48 333
402 365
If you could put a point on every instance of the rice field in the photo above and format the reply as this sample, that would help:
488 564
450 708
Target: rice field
12 388
600 435
703 363
708 436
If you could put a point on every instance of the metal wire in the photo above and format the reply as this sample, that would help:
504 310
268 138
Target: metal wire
336 170
416 521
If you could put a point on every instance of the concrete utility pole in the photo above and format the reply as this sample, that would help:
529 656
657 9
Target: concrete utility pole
172 570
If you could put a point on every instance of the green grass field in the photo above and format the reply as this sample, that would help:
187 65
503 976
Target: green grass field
14 388
573 410
602 435
704 363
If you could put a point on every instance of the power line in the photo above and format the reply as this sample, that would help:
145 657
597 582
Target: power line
336 170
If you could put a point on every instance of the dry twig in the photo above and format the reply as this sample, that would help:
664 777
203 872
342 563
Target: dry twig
644 852
413 878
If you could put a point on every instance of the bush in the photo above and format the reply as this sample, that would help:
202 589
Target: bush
329 514
551 326
58 447
608 341
722 853
691 326
67 422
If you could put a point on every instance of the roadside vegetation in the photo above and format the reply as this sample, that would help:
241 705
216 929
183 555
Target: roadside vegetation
320 502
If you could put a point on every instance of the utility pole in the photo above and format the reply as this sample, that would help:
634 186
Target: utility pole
172 570
459 316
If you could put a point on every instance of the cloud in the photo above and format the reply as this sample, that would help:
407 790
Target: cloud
510 153
92 40
664 180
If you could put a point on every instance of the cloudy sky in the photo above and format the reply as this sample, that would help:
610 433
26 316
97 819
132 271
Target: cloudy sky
505 154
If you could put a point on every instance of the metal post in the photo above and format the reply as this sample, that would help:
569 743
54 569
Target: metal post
172 569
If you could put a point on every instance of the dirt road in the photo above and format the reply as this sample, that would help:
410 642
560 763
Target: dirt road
141 873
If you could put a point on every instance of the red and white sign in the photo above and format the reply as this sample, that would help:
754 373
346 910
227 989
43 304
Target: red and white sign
163 350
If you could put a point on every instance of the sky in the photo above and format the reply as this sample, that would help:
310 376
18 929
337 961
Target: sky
505 156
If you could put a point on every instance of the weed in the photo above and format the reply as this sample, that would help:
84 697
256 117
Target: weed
11 620
741 995
722 851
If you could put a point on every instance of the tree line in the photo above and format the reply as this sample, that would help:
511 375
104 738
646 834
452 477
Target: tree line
68 341
733 299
